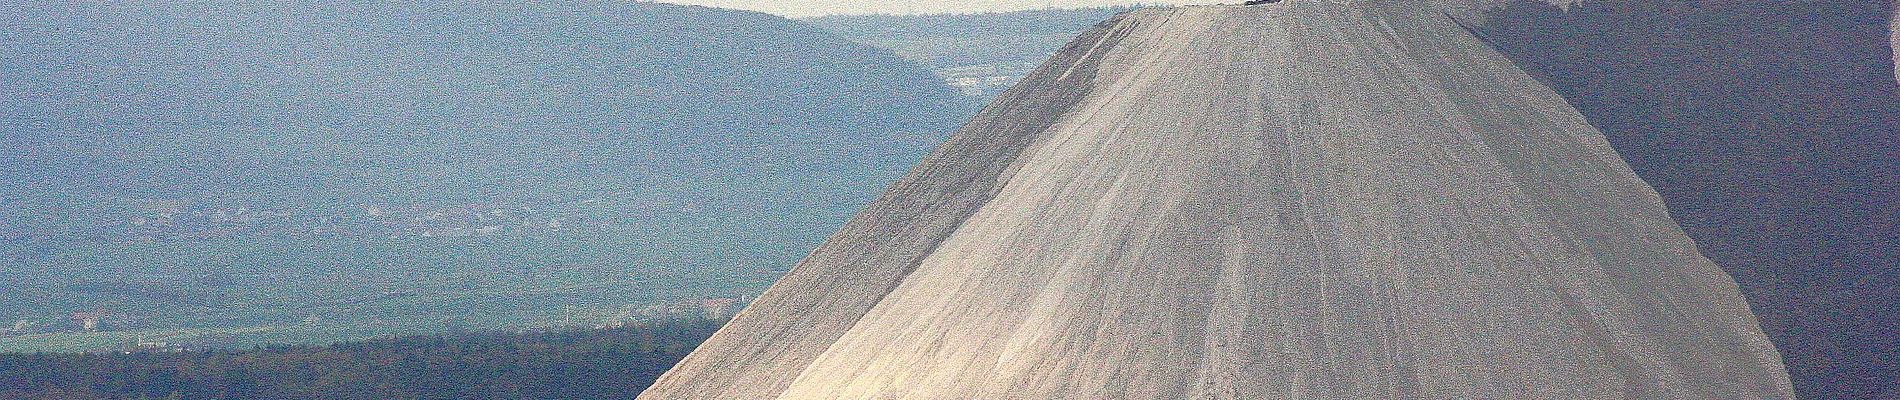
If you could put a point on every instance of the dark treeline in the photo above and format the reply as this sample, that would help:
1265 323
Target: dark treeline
612 363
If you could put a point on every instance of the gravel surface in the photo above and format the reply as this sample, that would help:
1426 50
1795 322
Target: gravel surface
1304 200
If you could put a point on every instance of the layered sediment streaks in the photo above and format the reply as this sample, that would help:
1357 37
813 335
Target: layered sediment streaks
1307 199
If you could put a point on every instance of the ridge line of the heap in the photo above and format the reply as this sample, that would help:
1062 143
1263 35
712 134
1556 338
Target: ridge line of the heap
925 206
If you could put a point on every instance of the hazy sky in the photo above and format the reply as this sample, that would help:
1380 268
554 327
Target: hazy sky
805 8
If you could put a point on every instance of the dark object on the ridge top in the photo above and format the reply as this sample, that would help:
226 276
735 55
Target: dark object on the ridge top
1259 2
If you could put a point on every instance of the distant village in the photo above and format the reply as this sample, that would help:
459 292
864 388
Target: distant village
83 321
707 309
104 321
164 220
983 81
168 220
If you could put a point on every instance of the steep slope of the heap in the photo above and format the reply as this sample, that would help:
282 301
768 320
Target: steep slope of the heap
1303 200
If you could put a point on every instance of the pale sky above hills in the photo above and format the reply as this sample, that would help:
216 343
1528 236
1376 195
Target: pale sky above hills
807 8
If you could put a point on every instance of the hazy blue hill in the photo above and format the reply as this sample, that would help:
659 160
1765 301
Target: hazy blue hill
192 164
311 103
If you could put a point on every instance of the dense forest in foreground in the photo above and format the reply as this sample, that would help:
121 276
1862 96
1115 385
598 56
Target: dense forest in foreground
613 363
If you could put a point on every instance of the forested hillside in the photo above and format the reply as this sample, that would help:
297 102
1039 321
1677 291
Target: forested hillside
614 363
334 169
325 111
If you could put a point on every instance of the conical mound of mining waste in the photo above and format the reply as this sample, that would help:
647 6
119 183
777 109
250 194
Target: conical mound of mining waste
1306 199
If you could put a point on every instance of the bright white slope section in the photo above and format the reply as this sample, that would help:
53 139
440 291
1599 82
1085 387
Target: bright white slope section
1306 200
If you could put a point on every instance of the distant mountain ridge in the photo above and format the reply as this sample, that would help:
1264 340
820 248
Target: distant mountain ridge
333 169
356 104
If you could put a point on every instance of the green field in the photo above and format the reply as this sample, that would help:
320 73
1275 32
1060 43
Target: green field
320 290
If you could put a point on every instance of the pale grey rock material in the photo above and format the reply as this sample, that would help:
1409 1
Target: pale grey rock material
1304 200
